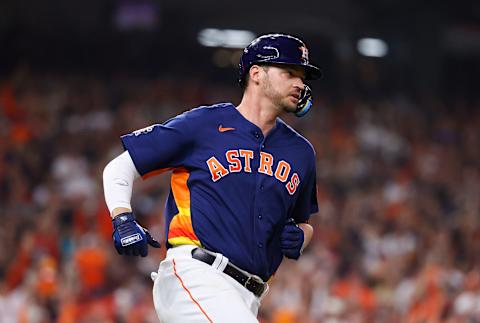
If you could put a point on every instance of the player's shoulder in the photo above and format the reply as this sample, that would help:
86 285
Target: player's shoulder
199 116
297 138
208 110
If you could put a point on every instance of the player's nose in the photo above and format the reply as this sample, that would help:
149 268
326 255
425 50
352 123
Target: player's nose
299 83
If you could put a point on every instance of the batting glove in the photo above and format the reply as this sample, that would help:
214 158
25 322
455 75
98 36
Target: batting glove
130 238
291 240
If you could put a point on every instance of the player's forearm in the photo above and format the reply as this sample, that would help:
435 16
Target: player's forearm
307 232
118 178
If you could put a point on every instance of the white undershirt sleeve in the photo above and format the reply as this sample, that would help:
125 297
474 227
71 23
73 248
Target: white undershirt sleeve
118 178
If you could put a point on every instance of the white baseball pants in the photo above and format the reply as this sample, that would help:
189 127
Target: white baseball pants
188 290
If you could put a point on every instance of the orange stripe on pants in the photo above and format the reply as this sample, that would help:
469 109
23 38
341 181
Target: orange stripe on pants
190 294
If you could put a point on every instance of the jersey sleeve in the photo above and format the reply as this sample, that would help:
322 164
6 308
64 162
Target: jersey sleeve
306 203
160 146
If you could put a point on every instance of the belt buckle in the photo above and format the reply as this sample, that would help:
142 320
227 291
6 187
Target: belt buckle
257 280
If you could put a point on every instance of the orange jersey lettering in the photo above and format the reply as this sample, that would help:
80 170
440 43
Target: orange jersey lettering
216 169
247 155
293 184
282 171
266 162
235 164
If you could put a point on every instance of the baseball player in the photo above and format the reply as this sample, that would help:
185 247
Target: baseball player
243 187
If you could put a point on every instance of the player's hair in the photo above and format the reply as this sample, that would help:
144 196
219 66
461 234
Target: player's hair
244 84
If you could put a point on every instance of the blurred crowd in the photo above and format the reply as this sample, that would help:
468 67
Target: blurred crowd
397 238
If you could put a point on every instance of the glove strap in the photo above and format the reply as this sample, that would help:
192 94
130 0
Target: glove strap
123 218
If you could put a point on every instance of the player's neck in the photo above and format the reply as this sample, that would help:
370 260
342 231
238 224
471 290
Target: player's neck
259 112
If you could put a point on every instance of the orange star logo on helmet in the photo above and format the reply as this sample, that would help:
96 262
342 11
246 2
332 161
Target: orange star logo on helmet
304 54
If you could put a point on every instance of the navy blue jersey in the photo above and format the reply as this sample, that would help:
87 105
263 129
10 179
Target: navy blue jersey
232 189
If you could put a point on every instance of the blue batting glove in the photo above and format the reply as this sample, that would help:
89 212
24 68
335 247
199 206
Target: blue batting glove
291 240
130 238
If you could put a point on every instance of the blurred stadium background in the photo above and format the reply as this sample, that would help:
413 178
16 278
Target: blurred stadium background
396 127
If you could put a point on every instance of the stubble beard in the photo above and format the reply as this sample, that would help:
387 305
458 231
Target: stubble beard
282 102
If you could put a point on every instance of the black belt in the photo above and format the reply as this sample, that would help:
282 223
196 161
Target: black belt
252 283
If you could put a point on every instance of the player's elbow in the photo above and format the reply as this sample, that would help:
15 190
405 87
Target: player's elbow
120 172
108 171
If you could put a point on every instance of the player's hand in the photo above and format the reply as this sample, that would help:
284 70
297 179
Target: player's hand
291 240
130 238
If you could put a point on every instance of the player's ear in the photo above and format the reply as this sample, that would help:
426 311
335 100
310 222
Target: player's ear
254 73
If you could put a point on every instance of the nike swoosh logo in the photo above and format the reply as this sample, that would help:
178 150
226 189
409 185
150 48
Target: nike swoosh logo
223 129
121 182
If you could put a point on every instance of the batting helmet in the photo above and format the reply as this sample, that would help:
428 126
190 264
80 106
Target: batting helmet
277 49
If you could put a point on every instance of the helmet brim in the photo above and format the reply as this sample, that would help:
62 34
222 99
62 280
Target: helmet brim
311 71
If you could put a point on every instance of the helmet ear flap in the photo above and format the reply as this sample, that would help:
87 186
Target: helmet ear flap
305 103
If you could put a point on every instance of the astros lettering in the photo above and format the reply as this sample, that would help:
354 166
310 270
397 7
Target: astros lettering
240 159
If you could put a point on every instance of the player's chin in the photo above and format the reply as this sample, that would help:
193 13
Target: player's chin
291 104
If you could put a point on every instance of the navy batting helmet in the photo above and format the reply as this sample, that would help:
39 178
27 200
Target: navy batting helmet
277 49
